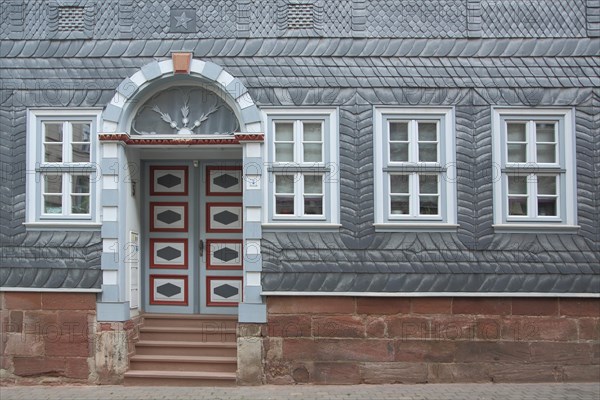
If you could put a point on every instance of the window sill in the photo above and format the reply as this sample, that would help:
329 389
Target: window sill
63 225
535 228
415 227
300 227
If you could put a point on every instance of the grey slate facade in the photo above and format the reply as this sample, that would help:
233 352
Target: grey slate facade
469 54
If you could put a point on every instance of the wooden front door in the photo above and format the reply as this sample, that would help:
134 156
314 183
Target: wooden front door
193 226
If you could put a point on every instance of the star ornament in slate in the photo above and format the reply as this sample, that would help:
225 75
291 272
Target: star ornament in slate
182 20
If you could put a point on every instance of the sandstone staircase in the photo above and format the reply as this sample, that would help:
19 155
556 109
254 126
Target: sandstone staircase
184 350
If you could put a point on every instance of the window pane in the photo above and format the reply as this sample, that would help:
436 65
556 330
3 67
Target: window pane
313 184
80 204
517 184
284 131
516 131
81 132
400 205
428 205
81 152
80 183
312 132
546 153
517 153
399 183
284 183
427 131
428 184
53 152
517 206
52 204
399 131
546 184
284 152
428 152
545 132
313 205
312 152
53 132
284 204
547 206
52 183
398 151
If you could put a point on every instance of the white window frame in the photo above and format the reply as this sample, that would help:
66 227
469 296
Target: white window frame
328 167
445 168
35 219
564 168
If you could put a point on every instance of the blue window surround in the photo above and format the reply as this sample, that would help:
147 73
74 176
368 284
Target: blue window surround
328 167
36 167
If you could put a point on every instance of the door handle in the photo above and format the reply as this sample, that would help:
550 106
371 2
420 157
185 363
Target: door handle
201 248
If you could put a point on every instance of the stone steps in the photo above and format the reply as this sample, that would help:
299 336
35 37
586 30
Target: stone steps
184 350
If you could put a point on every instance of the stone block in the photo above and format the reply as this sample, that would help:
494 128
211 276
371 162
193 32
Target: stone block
38 366
561 353
69 301
22 301
77 368
382 305
481 306
525 373
533 306
310 305
431 305
375 327
580 307
289 325
393 372
458 373
589 329
491 352
336 373
581 373
346 326
424 351
534 329
249 361
338 350
408 327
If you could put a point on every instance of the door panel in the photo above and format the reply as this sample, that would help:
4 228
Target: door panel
169 272
221 232
193 248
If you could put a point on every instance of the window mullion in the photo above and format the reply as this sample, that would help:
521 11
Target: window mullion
66 194
66 141
414 187
532 189
299 193
531 147
412 142
298 146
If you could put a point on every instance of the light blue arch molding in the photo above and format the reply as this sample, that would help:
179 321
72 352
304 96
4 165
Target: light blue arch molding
117 114
113 304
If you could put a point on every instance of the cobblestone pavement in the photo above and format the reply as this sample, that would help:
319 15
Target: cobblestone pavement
541 391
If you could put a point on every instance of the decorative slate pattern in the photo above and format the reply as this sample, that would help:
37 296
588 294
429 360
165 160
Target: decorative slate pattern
133 51
353 75
337 18
533 18
409 18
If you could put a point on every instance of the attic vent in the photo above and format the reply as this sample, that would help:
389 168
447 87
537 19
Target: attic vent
71 19
300 16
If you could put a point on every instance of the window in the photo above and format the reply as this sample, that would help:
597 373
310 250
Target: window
61 160
414 169
302 158
534 153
